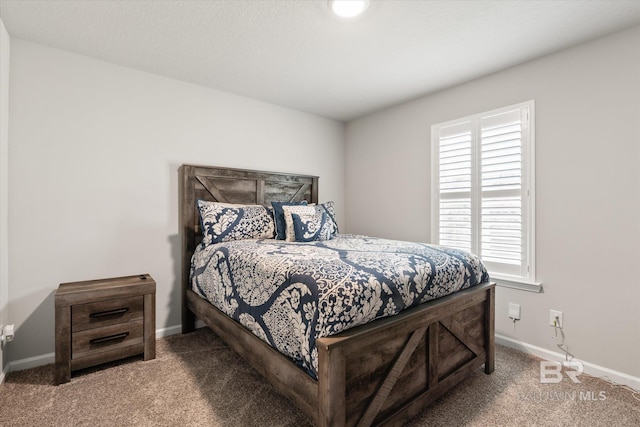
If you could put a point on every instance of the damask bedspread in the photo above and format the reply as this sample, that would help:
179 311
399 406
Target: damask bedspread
289 294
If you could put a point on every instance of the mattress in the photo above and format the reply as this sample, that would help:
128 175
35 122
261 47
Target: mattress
289 294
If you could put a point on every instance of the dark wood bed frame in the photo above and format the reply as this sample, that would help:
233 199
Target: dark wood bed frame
381 373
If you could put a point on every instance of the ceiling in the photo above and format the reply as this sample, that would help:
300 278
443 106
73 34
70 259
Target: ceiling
296 54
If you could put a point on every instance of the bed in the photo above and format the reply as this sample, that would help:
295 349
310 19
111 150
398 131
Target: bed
380 373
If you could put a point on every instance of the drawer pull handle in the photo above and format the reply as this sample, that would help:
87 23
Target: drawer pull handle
110 312
109 338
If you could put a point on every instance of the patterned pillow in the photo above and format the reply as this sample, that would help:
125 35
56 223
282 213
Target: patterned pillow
306 213
309 228
327 208
222 224
278 217
288 219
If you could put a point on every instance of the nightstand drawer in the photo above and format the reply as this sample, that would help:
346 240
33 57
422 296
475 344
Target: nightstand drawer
91 341
104 313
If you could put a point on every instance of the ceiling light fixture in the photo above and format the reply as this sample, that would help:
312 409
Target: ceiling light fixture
348 8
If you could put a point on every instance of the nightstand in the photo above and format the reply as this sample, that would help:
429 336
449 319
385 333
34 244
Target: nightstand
99 321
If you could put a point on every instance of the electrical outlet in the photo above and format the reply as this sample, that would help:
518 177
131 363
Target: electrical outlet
6 334
514 311
555 319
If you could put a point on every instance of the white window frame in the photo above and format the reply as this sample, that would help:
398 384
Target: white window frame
526 280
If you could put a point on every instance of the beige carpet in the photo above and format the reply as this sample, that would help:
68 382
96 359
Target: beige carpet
196 380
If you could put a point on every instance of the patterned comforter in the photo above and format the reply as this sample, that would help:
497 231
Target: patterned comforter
289 294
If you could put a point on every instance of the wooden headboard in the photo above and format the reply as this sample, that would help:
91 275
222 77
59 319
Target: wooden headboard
227 185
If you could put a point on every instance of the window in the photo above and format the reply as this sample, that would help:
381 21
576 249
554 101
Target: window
483 190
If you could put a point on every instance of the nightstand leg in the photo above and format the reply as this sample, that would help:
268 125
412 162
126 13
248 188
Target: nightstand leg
149 327
63 345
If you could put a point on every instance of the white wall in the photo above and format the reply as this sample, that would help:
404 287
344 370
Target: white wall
4 180
94 154
588 189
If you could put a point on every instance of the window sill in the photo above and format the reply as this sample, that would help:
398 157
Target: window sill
516 283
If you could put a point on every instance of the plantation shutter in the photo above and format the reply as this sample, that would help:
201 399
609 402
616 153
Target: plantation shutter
482 188
501 220
456 227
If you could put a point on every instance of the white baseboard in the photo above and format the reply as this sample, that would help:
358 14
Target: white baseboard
32 362
177 329
3 374
45 359
589 368
171 330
